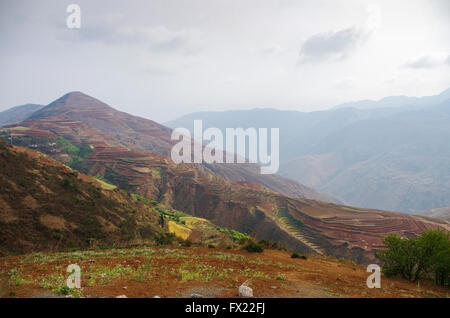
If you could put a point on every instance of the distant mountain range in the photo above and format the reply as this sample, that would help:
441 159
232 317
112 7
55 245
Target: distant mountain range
398 101
131 153
17 114
442 213
391 158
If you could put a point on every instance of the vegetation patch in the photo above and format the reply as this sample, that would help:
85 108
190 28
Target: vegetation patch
179 230
235 235
105 185
426 256
296 255
253 247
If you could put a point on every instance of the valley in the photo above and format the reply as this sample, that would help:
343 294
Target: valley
391 154
205 156
301 224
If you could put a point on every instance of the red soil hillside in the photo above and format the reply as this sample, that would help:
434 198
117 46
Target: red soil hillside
45 205
303 225
141 134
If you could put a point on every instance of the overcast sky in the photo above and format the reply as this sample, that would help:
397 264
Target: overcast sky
163 59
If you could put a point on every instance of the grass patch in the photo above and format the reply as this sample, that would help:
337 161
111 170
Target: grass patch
105 185
179 230
235 235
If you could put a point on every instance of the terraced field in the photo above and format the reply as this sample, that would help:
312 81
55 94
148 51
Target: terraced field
296 227
307 225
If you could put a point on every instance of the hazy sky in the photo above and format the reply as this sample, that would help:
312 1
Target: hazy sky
163 59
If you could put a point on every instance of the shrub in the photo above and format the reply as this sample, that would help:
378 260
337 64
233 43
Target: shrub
296 255
253 247
63 290
428 254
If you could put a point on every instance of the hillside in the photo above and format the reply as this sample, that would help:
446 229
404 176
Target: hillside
45 205
302 225
114 128
18 113
386 158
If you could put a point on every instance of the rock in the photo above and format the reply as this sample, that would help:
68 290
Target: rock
245 291
156 297
273 287
194 295
122 296
125 287
103 275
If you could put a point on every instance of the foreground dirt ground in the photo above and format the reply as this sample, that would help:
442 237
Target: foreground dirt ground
181 271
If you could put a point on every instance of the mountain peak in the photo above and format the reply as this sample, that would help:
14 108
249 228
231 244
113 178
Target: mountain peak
72 101
80 98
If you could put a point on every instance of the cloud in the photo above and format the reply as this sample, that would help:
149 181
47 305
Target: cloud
339 45
273 50
332 45
428 61
156 38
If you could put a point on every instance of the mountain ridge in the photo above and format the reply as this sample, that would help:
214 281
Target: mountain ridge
351 153
303 225
397 101
18 113
136 133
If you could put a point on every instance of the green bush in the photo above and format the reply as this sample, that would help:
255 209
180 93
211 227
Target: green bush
63 290
252 247
414 258
296 255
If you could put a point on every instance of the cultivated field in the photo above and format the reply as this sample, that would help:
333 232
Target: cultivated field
182 271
